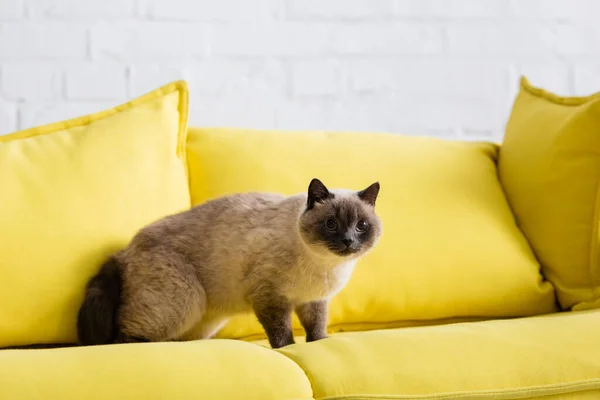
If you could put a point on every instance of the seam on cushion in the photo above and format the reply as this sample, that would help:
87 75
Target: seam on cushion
506 394
182 133
88 119
564 100
358 326
594 278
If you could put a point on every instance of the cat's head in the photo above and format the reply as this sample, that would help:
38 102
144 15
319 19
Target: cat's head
340 222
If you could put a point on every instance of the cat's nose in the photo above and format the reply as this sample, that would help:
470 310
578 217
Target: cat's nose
347 242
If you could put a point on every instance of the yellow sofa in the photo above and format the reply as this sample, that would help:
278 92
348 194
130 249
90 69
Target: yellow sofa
456 301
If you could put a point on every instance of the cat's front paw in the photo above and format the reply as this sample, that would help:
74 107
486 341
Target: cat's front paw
278 343
314 338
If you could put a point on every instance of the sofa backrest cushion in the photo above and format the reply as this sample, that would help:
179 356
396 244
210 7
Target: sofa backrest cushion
549 165
74 192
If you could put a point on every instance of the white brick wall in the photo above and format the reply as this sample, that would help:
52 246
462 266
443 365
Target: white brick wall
425 67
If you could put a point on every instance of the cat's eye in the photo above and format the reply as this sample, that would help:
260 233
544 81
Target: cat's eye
330 224
362 226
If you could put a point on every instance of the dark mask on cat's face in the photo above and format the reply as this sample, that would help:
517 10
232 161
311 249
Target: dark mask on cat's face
341 222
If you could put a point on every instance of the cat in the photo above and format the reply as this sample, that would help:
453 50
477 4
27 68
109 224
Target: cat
183 276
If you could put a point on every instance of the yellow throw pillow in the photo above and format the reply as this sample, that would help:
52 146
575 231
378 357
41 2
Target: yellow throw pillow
450 248
72 193
549 166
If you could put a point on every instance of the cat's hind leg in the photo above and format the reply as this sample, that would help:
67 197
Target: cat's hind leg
162 299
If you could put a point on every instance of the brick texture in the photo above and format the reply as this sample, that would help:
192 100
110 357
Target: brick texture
207 10
30 81
445 68
11 9
78 9
96 82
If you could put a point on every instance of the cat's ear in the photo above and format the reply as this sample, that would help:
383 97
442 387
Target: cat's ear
317 192
369 195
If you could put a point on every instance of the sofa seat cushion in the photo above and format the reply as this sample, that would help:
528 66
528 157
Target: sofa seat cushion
207 370
545 357
450 248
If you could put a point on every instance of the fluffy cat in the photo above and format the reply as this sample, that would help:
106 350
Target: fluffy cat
183 276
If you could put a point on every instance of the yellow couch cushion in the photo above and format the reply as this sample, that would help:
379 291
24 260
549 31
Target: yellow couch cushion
549 357
207 370
76 191
450 248
549 165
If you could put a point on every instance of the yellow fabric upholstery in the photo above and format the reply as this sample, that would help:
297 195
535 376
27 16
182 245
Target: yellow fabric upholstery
549 165
74 192
450 247
450 251
207 370
551 357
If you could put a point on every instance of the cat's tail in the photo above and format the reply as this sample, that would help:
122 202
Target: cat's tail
97 319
